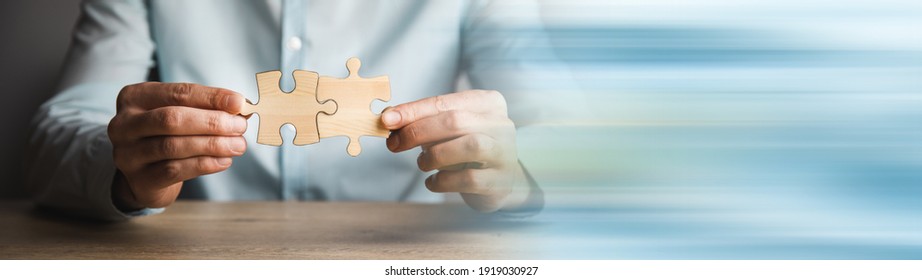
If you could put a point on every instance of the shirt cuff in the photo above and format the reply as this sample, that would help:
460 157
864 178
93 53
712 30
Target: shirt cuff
102 175
144 212
533 204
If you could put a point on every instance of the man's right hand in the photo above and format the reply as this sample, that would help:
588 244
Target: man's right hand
166 133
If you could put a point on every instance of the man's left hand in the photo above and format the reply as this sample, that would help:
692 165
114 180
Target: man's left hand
470 139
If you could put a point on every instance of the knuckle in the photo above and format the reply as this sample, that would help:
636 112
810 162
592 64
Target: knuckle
455 120
204 165
121 101
214 123
500 126
480 145
179 93
182 88
113 128
175 98
497 97
213 145
168 148
441 104
171 119
172 170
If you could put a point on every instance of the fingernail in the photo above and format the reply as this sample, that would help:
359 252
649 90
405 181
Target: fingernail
390 118
430 180
237 146
240 124
223 161
393 142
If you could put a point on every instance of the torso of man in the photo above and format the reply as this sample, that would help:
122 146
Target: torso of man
225 43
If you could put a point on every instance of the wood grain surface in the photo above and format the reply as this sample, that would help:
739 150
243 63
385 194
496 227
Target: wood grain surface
276 108
264 230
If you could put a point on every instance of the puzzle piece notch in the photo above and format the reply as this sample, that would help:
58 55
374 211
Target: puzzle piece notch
299 108
353 96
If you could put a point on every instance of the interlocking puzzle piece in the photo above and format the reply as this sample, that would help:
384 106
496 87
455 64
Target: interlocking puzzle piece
353 96
276 108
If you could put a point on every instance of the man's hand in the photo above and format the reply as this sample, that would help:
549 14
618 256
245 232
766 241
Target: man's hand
164 134
470 139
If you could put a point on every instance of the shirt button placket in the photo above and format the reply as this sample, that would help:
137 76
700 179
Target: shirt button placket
294 43
292 159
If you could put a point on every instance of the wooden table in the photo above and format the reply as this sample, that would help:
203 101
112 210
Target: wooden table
264 230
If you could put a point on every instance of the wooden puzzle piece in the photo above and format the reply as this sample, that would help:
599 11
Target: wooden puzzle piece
353 96
276 108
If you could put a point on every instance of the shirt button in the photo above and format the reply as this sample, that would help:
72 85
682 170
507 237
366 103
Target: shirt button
294 43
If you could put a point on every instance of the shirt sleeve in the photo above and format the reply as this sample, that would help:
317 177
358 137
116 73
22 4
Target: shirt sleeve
505 47
70 167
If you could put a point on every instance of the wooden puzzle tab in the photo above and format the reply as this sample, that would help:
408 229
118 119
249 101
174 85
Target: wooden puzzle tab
353 96
344 102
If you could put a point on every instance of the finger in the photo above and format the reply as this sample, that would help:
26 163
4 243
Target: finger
478 101
473 181
472 151
153 95
168 172
176 120
154 149
437 128
447 126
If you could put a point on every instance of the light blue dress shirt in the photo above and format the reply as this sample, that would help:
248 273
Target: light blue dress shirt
423 46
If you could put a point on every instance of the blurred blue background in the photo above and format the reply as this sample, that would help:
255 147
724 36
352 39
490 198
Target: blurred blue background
735 130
